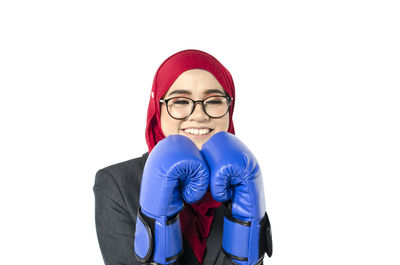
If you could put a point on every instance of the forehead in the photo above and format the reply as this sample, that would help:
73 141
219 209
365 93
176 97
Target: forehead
196 81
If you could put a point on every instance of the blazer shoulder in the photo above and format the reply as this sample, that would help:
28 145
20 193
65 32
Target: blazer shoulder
122 180
121 172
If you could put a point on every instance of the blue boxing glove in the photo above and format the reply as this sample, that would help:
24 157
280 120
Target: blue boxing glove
236 181
174 170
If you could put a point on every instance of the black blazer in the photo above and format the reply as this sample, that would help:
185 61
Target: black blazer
116 190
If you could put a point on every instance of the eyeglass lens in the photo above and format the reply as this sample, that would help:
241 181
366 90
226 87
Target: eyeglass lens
215 107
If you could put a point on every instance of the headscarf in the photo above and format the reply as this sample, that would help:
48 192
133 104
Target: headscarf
196 219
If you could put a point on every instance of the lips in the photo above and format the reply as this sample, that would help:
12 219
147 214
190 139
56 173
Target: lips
197 131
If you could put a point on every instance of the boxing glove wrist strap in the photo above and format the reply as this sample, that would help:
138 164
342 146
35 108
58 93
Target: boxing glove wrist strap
246 242
157 240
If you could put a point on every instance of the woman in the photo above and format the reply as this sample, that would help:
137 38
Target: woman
192 98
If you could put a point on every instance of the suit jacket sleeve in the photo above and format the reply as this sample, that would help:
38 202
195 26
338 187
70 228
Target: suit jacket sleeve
114 225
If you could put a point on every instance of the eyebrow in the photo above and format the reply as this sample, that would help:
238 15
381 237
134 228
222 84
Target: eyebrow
184 91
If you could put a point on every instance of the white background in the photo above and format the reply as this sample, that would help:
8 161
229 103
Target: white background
317 102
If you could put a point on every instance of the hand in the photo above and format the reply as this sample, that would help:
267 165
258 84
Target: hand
236 180
174 170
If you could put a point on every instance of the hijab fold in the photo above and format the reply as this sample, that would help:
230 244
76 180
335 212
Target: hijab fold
196 219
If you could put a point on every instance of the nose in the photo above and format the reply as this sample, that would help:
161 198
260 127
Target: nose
198 112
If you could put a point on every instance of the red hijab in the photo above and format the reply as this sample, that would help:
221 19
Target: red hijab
196 219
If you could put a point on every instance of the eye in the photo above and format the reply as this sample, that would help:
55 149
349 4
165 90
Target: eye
180 101
215 101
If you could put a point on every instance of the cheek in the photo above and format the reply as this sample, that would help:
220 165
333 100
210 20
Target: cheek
222 123
169 125
226 123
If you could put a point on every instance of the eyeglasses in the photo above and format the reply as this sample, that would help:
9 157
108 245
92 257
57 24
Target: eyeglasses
182 107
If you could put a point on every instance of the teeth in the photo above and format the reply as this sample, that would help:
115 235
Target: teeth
196 131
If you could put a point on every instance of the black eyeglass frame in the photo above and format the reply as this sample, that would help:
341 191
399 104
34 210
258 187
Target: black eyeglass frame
194 106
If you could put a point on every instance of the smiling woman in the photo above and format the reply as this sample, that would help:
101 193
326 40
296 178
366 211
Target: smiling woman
161 208
196 75
181 114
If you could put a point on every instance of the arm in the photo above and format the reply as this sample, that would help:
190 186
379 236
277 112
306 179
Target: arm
236 180
114 225
174 171
228 261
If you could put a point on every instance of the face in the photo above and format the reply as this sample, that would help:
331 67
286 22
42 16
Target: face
199 127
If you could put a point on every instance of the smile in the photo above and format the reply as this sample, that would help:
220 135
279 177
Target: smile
195 131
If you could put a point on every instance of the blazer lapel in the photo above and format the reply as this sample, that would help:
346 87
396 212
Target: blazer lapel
188 255
214 240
